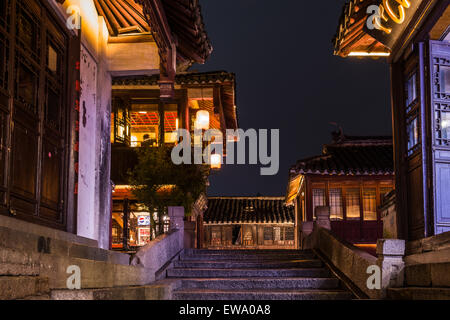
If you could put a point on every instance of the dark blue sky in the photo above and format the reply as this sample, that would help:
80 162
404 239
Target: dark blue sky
288 79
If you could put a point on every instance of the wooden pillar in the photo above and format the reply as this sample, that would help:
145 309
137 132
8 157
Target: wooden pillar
125 224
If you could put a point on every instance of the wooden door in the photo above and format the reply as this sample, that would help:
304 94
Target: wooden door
34 113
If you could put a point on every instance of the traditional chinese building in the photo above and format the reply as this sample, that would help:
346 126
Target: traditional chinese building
414 37
137 122
248 223
351 177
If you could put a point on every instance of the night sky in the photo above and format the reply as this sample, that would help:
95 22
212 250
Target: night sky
289 79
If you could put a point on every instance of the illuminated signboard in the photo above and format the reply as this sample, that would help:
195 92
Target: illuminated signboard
143 220
389 19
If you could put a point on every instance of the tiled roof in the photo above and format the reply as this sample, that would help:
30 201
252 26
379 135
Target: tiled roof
185 20
229 210
122 17
351 156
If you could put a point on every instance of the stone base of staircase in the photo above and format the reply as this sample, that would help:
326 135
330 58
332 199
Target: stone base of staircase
418 293
161 291
19 287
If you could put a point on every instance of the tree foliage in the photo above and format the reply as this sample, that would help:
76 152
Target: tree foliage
158 183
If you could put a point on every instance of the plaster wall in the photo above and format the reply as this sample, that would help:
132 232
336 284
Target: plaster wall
133 58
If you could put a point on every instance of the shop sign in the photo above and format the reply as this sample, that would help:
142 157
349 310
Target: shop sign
387 21
143 220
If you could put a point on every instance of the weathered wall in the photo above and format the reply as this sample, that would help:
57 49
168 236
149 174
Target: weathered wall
103 192
94 189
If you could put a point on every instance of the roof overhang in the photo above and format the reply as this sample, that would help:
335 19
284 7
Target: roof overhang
371 28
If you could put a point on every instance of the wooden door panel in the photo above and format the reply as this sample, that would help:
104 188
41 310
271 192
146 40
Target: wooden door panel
24 161
52 160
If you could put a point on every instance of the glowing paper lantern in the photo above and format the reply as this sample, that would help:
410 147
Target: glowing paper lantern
202 122
216 161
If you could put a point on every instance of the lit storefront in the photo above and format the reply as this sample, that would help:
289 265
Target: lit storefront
415 38
132 225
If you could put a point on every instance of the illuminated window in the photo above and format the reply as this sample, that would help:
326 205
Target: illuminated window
412 130
170 124
352 204
318 199
370 204
144 127
336 207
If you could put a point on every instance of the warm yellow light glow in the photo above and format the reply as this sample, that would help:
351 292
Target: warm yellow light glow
134 140
368 54
216 161
400 18
143 112
202 122
177 124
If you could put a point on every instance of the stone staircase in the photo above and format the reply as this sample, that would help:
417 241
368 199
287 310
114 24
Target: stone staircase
254 275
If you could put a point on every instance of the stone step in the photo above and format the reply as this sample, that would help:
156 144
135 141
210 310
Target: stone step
243 273
250 251
19 287
270 284
268 264
206 294
248 257
418 293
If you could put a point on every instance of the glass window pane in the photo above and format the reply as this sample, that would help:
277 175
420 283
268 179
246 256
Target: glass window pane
52 59
413 135
336 207
444 76
445 125
370 204
318 199
411 90
352 204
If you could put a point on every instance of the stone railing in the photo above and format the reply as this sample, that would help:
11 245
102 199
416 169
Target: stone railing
159 253
370 275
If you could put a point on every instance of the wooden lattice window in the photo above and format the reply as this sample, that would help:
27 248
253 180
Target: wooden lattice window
352 204
318 199
370 204
441 92
336 205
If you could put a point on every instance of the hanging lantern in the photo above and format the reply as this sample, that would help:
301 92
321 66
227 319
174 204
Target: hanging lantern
216 161
202 122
